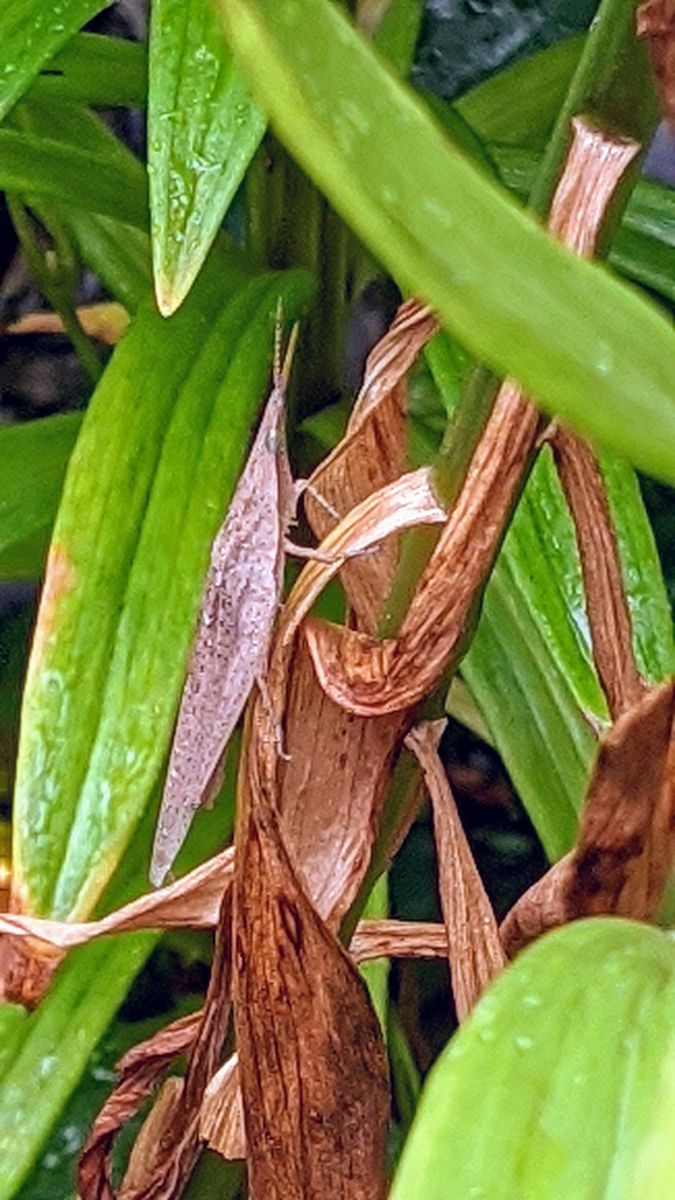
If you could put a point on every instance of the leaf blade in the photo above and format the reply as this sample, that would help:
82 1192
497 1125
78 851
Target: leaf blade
534 1096
31 32
203 130
547 325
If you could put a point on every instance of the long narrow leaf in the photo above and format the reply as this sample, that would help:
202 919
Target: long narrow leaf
156 461
585 346
203 130
98 70
31 32
33 460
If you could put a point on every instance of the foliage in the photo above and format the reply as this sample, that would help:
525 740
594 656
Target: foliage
294 156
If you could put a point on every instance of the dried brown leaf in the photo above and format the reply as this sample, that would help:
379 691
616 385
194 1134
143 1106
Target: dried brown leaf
192 902
606 602
656 23
371 677
140 1071
371 454
624 853
106 322
332 788
312 1064
221 1122
398 939
475 951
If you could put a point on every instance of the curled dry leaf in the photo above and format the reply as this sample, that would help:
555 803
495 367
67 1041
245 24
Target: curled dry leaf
600 162
475 951
371 677
624 853
312 1064
139 1071
192 902
656 23
371 454
398 939
239 607
222 1119
173 1129
221 1123
332 789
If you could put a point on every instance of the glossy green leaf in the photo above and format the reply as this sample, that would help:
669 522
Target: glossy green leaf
396 35
519 105
57 1041
98 70
644 247
33 461
586 346
54 1043
555 1087
36 166
31 32
157 458
203 130
117 252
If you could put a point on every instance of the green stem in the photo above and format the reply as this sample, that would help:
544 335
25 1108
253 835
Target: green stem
55 283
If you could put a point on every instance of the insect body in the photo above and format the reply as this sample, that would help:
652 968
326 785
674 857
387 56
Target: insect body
239 606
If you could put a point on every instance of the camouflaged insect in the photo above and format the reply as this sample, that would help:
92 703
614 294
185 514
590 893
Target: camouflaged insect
241 598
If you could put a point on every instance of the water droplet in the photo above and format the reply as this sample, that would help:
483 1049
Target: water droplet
523 1042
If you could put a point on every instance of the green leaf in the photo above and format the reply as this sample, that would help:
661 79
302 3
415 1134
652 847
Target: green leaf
396 35
38 166
33 460
31 32
559 1085
98 70
519 105
586 346
157 458
118 253
55 1041
203 130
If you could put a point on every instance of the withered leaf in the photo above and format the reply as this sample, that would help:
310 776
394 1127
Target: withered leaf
398 939
372 677
240 604
221 1122
624 852
192 902
140 1071
312 1064
474 948
174 1129
332 788
606 602
371 454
